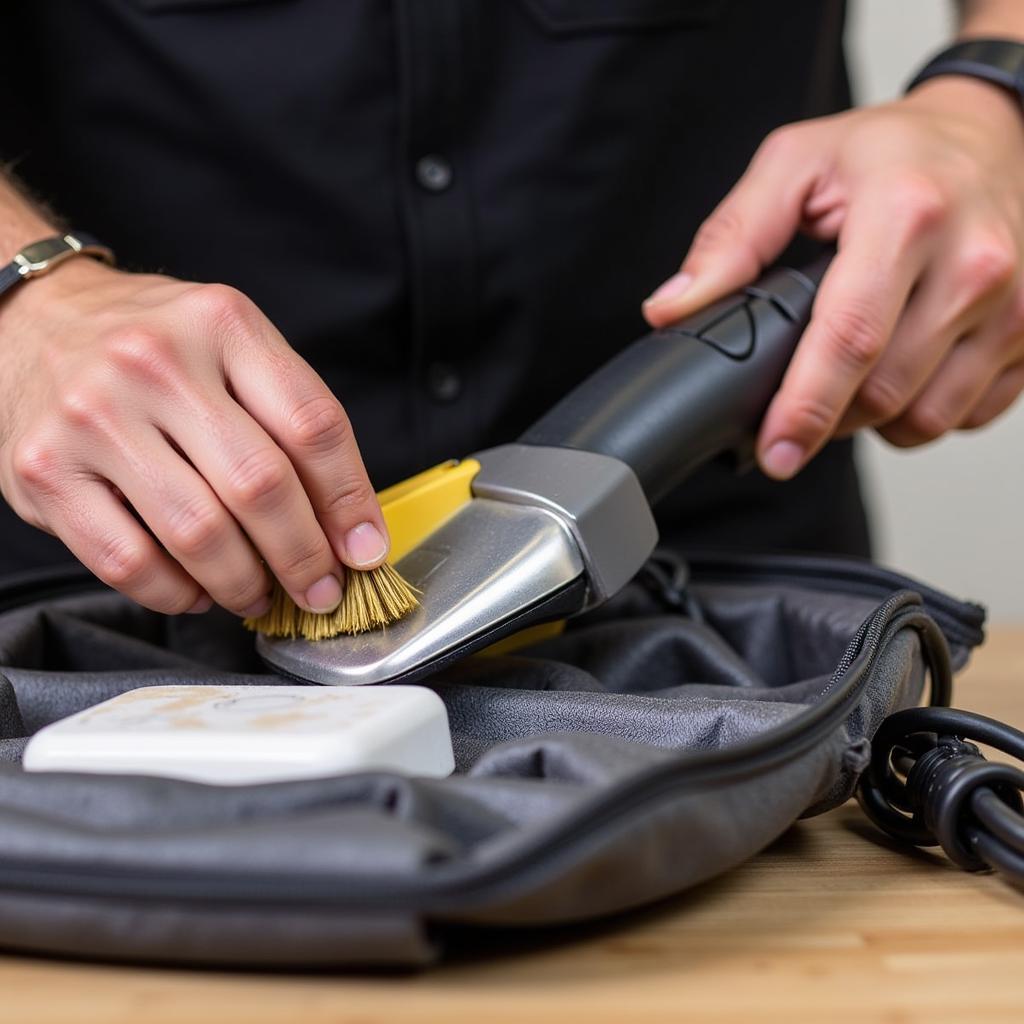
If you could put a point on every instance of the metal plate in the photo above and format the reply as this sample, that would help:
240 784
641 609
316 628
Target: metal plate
487 564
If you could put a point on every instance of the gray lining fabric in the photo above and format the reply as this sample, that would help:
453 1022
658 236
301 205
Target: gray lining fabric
370 868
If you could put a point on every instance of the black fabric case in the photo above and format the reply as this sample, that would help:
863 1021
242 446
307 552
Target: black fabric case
658 742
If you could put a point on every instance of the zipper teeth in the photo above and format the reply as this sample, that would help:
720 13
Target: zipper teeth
960 620
776 747
64 585
869 632
831 570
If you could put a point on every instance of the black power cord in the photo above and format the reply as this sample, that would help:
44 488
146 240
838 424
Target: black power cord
929 785
666 575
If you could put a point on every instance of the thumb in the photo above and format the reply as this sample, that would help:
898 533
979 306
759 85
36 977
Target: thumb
746 232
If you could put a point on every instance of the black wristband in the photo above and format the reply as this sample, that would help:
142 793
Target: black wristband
999 61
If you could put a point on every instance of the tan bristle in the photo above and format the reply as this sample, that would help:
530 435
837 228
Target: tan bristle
372 599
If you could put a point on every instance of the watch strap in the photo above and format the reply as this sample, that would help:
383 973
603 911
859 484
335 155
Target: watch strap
1000 61
10 275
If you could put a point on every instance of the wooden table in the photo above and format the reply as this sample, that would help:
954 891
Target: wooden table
831 924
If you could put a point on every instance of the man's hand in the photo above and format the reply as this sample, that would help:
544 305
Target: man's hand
124 392
919 323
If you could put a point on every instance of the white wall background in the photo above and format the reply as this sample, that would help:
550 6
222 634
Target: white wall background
950 513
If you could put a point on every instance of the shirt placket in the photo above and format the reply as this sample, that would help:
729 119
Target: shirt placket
436 204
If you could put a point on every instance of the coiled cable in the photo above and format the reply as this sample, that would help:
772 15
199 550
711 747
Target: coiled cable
928 784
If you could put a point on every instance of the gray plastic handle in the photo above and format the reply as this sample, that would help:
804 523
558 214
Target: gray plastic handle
684 394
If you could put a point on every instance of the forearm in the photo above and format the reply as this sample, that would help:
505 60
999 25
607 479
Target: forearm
1000 18
21 220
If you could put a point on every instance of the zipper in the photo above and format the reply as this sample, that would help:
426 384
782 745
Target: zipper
961 621
446 886
46 584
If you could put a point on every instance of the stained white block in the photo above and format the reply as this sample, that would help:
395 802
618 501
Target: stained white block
235 735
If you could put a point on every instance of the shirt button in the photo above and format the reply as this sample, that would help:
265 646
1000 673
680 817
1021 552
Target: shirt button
443 383
433 172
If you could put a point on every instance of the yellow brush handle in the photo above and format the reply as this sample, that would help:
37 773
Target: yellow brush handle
415 508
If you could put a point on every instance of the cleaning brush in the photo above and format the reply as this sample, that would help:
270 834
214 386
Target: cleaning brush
372 598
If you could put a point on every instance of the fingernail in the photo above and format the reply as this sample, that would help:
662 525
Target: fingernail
254 611
204 604
783 459
671 289
324 595
364 545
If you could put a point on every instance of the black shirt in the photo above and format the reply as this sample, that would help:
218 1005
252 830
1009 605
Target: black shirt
451 208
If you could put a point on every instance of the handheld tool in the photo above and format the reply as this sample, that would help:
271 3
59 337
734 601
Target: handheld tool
559 521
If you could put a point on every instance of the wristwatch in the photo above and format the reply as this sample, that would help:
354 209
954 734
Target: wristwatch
1000 61
42 256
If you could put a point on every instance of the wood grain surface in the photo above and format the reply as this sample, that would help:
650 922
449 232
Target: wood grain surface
830 924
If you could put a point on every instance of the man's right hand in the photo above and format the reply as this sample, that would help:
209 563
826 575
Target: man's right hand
123 392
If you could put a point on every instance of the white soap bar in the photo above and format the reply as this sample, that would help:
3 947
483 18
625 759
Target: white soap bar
234 735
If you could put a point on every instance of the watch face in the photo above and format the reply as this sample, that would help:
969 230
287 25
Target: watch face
40 256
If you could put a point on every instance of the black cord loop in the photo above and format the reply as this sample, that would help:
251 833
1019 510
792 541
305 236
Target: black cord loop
928 785
667 576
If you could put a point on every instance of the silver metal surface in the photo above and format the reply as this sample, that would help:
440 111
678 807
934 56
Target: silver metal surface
598 498
489 562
